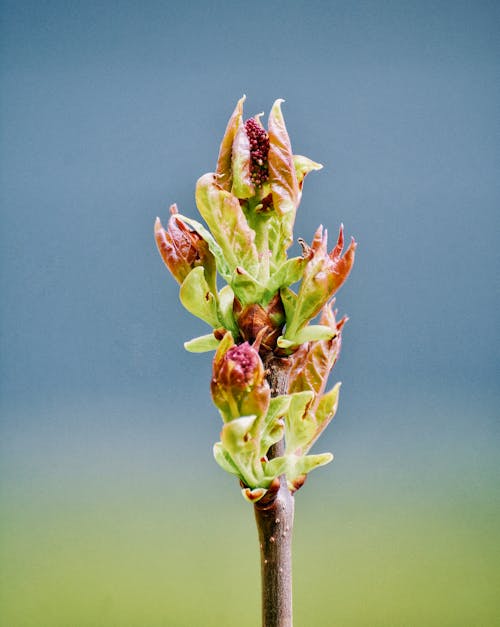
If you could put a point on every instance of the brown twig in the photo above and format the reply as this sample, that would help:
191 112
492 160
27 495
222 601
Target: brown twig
274 517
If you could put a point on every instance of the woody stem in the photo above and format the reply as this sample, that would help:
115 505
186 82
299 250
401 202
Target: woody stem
274 518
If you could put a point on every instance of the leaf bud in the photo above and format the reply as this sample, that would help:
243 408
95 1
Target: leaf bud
265 323
183 249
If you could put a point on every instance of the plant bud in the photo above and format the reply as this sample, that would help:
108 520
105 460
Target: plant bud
265 323
182 249
238 384
324 275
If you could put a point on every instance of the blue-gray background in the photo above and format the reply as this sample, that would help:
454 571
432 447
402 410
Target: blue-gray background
109 112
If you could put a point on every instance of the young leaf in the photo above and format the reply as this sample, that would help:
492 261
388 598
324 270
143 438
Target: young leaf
323 413
224 169
197 298
283 179
226 316
226 220
238 440
304 464
327 406
287 274
275 467
242 186
246 287
299 424
289 299
311 333
323 276
312 362
215 249
202 344
304 165
224 460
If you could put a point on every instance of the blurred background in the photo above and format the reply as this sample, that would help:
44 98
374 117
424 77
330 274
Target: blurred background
113 512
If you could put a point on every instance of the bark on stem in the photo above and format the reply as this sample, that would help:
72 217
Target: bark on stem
274 517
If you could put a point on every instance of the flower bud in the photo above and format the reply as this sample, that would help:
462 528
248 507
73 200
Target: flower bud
238 384
259 150
182 249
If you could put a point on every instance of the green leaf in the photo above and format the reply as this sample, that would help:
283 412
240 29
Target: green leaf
226 316
239 441
278 407
215 249
197 298
289 300
273 434
324 274
313 362
287 274
272 425
323 414
275 467
299 466
304 165
247 289
202 344
327 406
226 220
282 175
277 236
306 463
311 333
224 460
299 425
236 436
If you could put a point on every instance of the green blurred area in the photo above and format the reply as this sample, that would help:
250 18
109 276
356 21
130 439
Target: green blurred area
141 561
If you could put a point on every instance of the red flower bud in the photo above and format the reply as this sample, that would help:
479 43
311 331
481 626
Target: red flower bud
259 150
238 384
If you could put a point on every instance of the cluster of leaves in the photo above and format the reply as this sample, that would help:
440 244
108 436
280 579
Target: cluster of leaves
249 205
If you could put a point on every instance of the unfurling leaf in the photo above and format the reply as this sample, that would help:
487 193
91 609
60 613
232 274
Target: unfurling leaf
223 171
226 220
242 186
215 249
323 276
311 365
197 298
202 344
224 460
304 165
287 274
226 316
299 467
182 249
282 175
313 332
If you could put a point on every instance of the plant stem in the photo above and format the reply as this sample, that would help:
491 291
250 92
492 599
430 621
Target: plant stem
274 517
